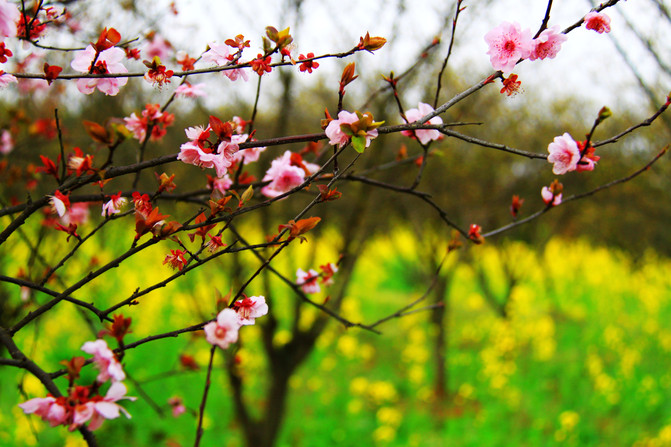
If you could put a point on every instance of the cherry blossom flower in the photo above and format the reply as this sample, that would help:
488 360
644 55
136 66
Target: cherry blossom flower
79 162
336 135
108 61
107 408
308 65
308 280
564 154
261 65
328 270
217 54
247 155
6 142
177 405
9 16
511 86
194 152
113 206
6 79
77 214
283 176
550 198
151 115
157 46
214 244
250 308
175 259
142 203
59 203
423 135
219 184
48 408
236 74
548 43
598 22
224 330
105 361
4 52
187 90
507 45
158 74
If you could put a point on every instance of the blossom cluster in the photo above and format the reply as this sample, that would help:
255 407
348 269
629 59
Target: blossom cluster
85 404
567 155
508 43
224 329
309 281
153 117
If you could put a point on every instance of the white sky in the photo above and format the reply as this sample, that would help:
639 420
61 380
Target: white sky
588 62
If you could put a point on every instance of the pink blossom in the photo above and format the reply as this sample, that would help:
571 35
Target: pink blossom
136 125
60 203
108 61
249 309
217 54
177 405
328 270
549 197
586 164
9 15
283 176
423 135
158 46
105 361
6 142
48 408
240 125
308 280
107 408
187 90
222 184
548 43
6 79
508 44
564 153
224 330
248 155
236 74
598 22
113 206
338 137
193 152
77 214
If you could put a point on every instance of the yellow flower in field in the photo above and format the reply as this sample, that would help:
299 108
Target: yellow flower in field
366 352
416 374
665 435
382 392
32 386
348 346
73 440
568 420
466 390
24 432
358 385
389 416
281 338
384 434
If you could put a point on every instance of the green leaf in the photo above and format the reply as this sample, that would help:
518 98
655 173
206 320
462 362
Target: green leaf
359 144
